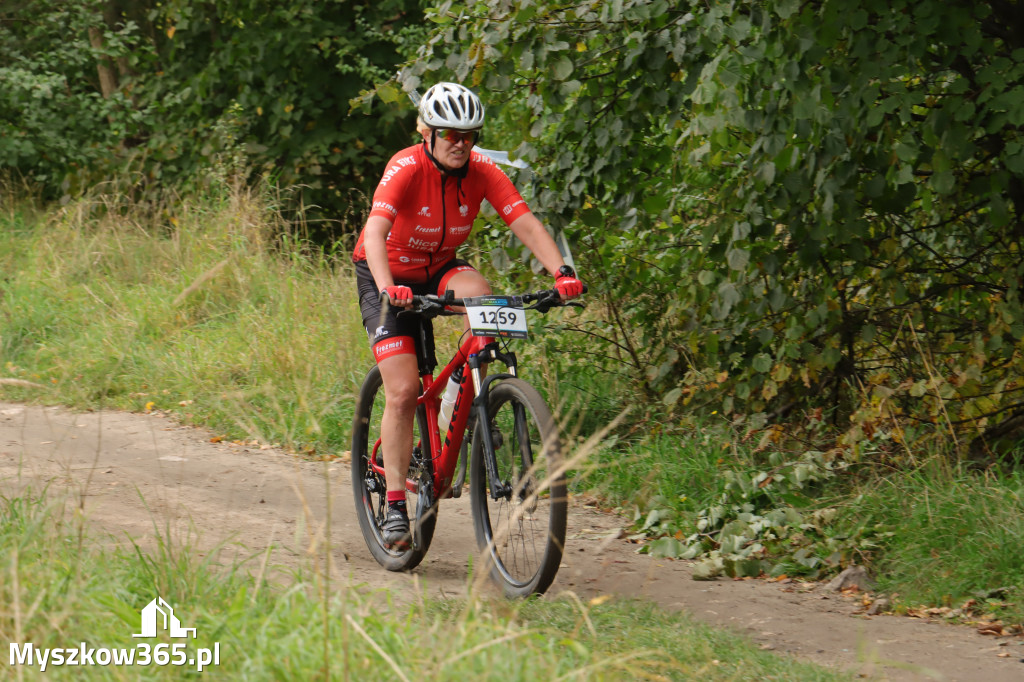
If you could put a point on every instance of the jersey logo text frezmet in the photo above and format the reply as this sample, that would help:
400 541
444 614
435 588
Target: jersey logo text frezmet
394 346
385 206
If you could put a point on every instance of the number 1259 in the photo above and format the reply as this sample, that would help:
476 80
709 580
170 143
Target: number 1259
498 317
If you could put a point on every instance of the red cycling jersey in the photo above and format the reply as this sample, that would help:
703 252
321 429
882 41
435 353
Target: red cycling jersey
431 213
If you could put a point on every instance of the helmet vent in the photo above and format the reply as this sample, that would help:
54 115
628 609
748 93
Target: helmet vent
450 105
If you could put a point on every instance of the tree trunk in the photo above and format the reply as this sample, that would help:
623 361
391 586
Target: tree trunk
105 68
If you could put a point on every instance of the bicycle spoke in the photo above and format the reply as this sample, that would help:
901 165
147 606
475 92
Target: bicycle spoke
369 486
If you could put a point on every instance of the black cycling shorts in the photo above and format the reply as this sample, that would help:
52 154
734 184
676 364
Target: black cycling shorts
386 326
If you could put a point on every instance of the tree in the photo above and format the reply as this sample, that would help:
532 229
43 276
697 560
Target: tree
55 117
804 205
93 87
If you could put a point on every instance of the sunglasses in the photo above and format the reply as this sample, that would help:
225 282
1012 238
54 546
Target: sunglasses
454 136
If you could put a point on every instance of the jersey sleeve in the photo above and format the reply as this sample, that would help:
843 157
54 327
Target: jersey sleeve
501 193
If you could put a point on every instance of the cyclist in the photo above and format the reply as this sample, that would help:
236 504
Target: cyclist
423 209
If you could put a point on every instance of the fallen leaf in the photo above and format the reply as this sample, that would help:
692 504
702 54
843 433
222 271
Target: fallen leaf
995 628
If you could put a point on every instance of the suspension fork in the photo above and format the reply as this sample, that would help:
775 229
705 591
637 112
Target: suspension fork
499 488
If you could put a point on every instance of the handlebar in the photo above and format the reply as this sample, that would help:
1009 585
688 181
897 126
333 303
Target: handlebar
431 305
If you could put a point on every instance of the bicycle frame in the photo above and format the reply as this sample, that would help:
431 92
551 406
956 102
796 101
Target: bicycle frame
472 354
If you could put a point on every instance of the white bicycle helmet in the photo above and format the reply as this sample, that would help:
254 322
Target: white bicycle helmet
450 105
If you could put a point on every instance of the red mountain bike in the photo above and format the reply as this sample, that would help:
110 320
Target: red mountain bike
500 423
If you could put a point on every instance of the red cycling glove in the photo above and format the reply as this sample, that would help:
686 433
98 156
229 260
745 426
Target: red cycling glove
397 294
566 283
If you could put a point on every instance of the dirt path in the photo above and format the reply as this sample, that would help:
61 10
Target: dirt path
143 474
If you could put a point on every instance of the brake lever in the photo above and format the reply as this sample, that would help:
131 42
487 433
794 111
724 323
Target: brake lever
551 300
431 308
426 308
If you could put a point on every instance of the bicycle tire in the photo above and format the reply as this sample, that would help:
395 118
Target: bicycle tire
521 535
370 490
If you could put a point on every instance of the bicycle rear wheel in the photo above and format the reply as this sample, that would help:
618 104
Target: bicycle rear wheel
520 528
370 490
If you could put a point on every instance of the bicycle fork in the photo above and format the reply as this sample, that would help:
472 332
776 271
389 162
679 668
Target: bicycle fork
481 386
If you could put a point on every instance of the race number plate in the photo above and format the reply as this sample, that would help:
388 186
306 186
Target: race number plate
496 316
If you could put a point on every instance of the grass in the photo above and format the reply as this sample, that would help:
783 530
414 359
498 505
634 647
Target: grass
933 536
958 538
938 535
204 314
681 473
62 589
202 311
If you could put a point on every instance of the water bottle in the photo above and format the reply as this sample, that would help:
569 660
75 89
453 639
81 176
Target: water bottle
451 392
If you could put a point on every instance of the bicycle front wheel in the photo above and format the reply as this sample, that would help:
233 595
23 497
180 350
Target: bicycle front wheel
520 523
369 488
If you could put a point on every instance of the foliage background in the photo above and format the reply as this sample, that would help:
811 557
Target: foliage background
800 220
152 93
810 210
